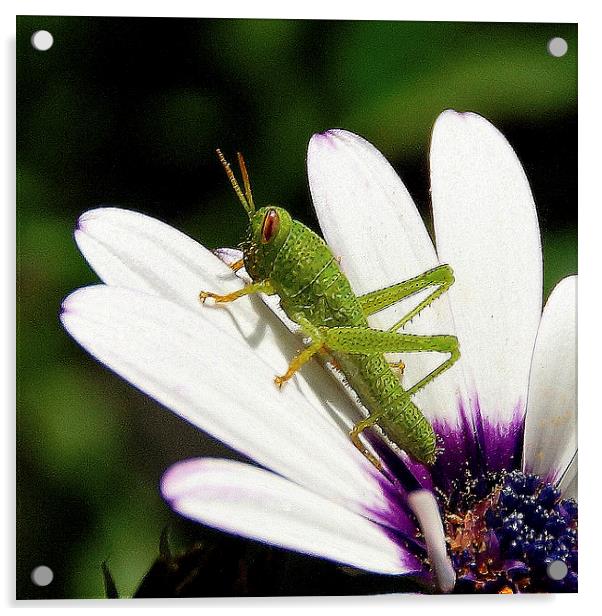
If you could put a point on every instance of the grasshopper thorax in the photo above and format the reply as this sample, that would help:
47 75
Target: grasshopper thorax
268 229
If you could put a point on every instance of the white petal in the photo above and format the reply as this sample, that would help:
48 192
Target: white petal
486 229
131 250
568 484
424 505
253 503
551 422
364 209
370 221
220 385
570 491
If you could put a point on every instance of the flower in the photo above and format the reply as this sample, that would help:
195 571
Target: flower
497 507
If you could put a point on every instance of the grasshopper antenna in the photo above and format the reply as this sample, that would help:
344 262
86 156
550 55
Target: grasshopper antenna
245 180
249 207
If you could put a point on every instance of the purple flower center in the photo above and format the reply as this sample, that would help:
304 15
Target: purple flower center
507 532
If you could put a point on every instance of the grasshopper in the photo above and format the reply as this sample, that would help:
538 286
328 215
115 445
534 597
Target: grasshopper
284 257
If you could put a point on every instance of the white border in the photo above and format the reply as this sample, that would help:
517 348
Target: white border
460 10
589 304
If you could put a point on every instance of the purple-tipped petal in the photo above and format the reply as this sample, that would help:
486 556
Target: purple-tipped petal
487 230
370 221
568 483
424 505
131 250
551 422
459 450
254 503
499 441
221 386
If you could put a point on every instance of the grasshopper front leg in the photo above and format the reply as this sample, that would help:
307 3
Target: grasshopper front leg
257 287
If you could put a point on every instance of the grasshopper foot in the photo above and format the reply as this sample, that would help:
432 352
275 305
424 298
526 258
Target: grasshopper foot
237 265
218 299
281 380
400 366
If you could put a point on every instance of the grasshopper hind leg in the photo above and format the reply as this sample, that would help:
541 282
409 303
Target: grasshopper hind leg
358 428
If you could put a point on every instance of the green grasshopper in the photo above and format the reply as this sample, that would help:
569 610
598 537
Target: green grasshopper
284 257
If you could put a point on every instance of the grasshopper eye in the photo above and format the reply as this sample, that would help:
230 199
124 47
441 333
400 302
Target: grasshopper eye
270 227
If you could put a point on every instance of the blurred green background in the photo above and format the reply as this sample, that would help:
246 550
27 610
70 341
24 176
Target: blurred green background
129 112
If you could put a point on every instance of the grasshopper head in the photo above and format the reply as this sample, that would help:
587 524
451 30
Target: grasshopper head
268 229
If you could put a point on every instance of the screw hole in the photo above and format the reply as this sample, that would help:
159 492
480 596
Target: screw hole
42 40
557 47
42 575
557 570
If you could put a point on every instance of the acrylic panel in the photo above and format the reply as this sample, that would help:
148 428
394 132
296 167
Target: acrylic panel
355 373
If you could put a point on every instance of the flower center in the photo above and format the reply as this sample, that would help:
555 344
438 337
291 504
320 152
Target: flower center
511 532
